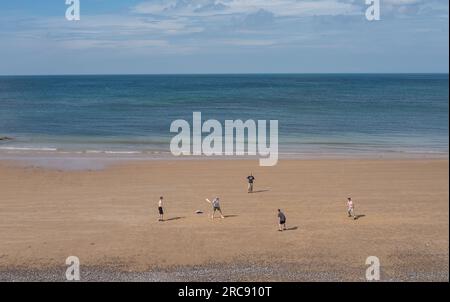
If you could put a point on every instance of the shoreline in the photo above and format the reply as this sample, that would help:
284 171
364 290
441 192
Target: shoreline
96 161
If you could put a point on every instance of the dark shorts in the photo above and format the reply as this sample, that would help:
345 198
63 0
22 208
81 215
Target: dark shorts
216 209
160 210
282 221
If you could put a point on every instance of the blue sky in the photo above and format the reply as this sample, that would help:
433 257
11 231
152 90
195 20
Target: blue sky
222 36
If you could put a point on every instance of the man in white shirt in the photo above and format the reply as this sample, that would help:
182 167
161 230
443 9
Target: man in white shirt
216 207
350 208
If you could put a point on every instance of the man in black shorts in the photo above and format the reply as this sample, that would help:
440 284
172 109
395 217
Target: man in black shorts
250 179
282 222
160 209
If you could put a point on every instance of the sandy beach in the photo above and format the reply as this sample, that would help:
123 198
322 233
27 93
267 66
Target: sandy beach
108 218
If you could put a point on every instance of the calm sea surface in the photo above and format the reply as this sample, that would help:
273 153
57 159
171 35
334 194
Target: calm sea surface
317 114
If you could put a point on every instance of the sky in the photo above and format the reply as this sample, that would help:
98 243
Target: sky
223 36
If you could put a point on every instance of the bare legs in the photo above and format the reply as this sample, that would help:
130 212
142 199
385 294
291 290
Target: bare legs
214 212
351 213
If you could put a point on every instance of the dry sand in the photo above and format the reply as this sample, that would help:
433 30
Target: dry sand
108 218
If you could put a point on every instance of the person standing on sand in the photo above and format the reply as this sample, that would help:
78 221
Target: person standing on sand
350 208
250 179
160 209
282 221
216 207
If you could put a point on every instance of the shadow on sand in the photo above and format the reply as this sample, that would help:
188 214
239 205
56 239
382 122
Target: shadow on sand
291 228
260 191
230 216
359 216
174 218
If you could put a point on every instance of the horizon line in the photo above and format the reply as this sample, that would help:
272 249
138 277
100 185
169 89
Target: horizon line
226 73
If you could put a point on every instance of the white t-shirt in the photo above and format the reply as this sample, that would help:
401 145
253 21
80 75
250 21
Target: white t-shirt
350 204
215 203
160 203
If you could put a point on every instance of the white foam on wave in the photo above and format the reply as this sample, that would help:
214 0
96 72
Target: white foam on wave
28 149
123 152
51 150
112 152
94 151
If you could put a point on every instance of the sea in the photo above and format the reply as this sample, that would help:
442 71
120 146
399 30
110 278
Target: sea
318 114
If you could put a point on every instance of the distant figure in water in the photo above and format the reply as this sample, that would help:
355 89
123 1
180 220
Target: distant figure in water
282 221
216 207
250 179
160 209
351 208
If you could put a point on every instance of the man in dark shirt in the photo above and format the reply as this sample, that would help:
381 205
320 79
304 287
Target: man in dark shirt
282 222
250 179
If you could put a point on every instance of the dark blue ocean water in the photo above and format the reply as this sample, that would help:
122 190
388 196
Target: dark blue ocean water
359 113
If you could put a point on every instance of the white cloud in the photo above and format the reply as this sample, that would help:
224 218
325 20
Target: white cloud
115 32
415 7
401 2
82 44
280 8
184 25
246 42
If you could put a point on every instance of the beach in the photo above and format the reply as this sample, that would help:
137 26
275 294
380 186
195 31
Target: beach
108 218
85 158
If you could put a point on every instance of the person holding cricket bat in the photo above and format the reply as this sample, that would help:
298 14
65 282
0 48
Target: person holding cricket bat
216 207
